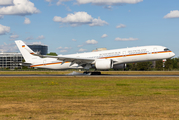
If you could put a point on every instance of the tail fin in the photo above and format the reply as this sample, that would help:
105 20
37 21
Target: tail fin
26 52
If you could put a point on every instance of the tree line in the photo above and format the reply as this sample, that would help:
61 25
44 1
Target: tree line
170 64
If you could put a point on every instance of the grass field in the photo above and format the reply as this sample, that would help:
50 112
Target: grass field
103 72
66 98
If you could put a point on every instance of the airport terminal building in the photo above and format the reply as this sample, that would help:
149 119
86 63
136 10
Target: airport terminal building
10 60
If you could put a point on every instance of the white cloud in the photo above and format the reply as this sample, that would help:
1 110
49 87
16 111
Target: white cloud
59 48
8 47
20 7
65 49
104 35
80 18
6 2
13 37
172 14
37 43
1 16
126 39
40 37
98 22
80 45
82 50
27 21
4 29
29 38
91 42
48 0
62 51
121 26
108 2
60 2
108 7
73 40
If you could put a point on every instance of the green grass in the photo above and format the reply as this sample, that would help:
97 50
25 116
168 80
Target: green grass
103 72
41 88
89 98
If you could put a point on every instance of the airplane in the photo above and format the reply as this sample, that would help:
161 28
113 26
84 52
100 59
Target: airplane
101 60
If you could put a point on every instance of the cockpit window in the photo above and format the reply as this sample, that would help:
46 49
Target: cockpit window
166 49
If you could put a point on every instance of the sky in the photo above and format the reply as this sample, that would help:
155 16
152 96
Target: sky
76 26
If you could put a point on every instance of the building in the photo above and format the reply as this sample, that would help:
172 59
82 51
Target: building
10 60
41 49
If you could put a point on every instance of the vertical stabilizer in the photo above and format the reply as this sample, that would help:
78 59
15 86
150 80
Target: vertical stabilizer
26 52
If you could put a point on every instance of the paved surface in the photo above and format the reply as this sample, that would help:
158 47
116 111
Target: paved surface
81 75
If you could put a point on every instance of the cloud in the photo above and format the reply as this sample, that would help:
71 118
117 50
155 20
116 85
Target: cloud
59 48
40 37
98 22
172 14
8 47
62 51
91 42
80 45
65 49
121 26
82 50
1 16
60 2
126 39
108 2
48 0
27 21
13 37
108 7
37 43
4 29
20 7
80 18
29 38
73 40
6 2
104 35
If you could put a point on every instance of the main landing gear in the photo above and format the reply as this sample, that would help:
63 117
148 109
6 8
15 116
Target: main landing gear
92 73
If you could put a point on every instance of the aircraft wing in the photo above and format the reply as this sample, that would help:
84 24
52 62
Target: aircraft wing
77 60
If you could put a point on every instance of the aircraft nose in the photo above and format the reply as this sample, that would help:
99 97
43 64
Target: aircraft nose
172 54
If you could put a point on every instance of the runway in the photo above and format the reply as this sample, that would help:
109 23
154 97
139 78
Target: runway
81 75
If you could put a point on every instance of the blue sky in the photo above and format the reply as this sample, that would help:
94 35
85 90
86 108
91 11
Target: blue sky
71 26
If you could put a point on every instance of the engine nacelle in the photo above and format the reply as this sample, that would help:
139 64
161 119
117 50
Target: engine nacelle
103 64
119 66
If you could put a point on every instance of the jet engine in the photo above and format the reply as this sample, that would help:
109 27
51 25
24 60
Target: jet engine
103 64
119 66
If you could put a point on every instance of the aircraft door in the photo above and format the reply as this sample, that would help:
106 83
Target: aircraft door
155 50
44 62
124 53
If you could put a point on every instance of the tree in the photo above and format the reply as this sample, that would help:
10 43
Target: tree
52 54
159 65
168 64
143 66
175 62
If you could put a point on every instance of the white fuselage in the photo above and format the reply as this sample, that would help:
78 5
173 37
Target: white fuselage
119 56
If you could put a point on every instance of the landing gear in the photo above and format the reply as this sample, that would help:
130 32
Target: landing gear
92 73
